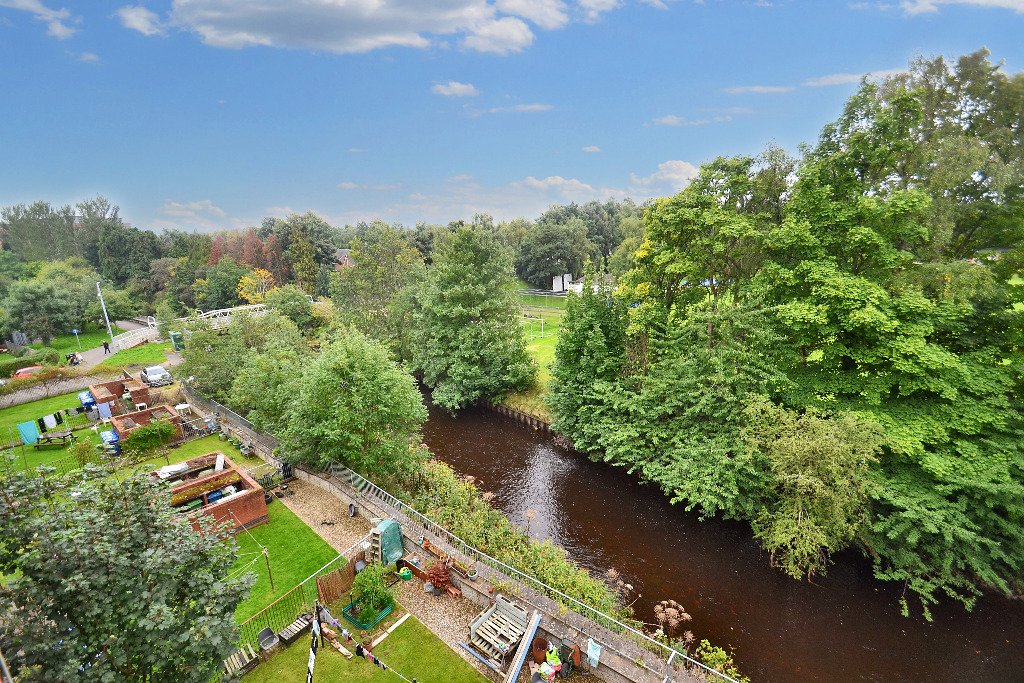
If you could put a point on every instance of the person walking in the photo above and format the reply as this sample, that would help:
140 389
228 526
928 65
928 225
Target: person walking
106 347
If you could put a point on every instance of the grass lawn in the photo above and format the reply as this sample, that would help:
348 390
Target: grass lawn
295 553
10 417
90 340
412 650
144 354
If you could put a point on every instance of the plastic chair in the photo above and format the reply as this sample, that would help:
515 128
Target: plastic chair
267 639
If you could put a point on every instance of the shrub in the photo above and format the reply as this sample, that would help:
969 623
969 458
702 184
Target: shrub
373 591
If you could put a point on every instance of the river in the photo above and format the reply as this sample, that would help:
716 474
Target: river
845 626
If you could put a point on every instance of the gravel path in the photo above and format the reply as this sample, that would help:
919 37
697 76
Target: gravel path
449 619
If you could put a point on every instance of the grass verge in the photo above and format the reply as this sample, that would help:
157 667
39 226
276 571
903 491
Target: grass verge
144 354
66 343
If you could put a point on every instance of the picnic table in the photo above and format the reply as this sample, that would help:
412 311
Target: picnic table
63 436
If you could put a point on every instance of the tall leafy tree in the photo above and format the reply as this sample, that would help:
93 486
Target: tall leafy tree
41 310
146 598
385 263
38 232
551 248
465 337
356 406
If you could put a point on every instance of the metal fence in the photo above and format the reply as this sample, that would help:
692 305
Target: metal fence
298 600
11 438
367 488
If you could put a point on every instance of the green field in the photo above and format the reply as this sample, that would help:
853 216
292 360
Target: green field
144 354
412 650
90 340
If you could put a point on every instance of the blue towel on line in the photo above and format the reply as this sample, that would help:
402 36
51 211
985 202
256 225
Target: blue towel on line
29 432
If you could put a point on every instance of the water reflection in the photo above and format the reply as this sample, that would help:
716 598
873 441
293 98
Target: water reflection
844 627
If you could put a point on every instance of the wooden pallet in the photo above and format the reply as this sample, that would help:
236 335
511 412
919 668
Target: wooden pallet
499 629
293 630
242 661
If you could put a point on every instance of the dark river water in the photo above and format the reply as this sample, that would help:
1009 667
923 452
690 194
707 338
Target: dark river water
845 626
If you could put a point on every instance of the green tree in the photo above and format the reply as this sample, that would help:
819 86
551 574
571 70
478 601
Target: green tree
465 336
385 263
356 406
126 253
120 306
291 302
551 249
110 583
589 359
38 232
819 482
41 310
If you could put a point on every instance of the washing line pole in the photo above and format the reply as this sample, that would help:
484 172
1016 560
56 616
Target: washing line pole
266 554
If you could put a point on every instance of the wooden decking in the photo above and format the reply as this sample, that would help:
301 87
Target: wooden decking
498 629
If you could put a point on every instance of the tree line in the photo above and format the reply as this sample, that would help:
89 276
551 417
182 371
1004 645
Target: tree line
830 347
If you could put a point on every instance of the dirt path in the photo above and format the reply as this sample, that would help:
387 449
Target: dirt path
448 619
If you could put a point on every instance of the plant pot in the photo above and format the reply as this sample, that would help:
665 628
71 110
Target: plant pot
472 575
540 650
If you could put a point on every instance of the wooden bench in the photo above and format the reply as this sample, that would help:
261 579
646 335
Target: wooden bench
499 628
293 630
242 661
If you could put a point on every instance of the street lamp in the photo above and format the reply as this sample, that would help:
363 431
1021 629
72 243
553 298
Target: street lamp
105 317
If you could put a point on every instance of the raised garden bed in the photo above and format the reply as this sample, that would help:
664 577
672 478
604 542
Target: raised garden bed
351 613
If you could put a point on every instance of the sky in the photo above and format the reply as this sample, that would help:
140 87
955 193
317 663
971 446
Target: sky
211 114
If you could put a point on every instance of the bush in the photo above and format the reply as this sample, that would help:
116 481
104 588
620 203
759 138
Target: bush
373 591
44 356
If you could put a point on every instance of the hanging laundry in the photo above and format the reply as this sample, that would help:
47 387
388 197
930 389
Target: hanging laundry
42 425
593 652
50 421
29 432
59 417
359 650
104 409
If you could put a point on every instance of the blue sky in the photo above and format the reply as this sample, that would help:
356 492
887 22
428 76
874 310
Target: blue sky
208 114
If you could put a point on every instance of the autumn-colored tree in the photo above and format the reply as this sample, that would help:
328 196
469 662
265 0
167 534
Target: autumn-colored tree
254 286
216 250
252 250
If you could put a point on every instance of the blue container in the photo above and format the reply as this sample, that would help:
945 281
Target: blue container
110 437
213 496
86 399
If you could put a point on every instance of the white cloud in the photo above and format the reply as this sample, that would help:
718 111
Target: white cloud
357 150
913 7
358 26
523 107
673 120
592 149
140 19
844 79
201 215
282 211
548 14
55 18
593 9
671 176
455 89
382 187
759 89
556 183
88 57
508 34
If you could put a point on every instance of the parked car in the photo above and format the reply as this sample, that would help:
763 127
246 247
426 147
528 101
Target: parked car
25 372
156 376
